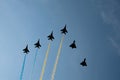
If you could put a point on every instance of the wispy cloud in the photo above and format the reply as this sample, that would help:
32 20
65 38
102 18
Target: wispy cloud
115 44
110 13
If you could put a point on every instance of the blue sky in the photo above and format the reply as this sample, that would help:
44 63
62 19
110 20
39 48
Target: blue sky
93 24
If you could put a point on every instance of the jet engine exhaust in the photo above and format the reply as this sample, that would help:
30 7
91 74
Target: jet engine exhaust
45 61
57 58
21 74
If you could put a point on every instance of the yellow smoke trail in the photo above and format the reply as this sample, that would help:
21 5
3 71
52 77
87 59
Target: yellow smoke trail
57 58
45 61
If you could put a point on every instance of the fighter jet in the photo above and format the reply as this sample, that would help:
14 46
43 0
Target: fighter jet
64 30
37 45
83 63
73 45
26 50
51 37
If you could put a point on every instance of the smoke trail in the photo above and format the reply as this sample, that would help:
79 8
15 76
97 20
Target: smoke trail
34 63
57 58
35 59
21 75
45 61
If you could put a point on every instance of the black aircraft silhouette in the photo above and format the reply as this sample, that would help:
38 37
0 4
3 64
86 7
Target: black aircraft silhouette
73 45
51 37
64 30
37 45
83 63
26 50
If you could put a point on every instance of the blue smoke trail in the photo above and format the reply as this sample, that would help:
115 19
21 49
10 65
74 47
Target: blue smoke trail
35 59
34 63
21 75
